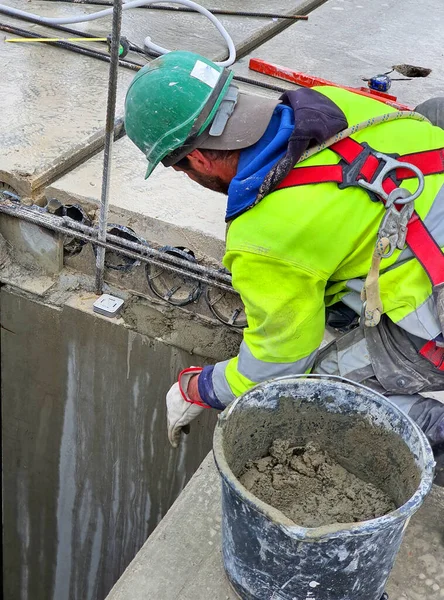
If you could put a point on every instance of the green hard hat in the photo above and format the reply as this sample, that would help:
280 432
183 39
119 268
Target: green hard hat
171 102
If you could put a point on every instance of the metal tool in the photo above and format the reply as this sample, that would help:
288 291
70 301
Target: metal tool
382 82
394 224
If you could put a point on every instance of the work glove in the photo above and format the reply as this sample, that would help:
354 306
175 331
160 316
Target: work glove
181 410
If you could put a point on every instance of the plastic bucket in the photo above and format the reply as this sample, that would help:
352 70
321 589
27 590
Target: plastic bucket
267 556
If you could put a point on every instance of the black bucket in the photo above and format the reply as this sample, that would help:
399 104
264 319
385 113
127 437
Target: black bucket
269 557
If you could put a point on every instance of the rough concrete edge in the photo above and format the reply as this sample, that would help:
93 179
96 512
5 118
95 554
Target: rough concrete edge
28 185
272 29
138 561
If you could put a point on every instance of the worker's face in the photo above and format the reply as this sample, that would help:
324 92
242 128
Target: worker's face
211 173
211 182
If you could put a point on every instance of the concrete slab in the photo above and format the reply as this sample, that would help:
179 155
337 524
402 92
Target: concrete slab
185 31
167 209
345 40
182 558
53 109
62 96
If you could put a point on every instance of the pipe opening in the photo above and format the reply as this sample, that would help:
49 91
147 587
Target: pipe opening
169 287
71 245
227 307
117 262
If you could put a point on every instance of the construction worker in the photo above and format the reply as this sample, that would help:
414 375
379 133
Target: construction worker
307 235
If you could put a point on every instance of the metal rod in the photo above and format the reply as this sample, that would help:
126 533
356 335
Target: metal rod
215 11
127 64
122 246
145 248
109 138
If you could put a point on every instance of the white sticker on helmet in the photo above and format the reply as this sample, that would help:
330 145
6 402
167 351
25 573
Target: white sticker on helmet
205 73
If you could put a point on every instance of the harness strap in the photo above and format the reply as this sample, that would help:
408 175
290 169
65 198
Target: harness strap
431 162
419 240
434 354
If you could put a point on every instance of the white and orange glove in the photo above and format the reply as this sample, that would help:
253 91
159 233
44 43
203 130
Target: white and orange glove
181 410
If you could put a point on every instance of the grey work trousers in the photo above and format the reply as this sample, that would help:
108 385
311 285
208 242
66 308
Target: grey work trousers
386 358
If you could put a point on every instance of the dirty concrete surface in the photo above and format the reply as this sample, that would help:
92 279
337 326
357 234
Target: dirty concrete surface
346 40
59 120
182 558
62 95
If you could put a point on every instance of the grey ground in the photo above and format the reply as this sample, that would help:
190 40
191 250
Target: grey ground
182 558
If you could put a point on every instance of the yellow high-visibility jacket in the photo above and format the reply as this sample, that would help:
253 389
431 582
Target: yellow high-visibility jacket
304 248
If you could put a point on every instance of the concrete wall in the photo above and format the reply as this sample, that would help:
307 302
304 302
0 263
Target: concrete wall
87 470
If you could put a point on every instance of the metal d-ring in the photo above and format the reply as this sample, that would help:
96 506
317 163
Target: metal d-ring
396 196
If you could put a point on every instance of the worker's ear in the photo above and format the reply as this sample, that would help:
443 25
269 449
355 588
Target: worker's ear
199 161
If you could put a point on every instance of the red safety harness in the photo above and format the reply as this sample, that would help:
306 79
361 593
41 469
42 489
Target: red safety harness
359 162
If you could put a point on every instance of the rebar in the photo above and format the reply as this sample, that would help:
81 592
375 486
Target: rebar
30 19
127 64
215 11
109 139
141 252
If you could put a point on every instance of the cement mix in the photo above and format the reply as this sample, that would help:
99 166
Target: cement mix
311 488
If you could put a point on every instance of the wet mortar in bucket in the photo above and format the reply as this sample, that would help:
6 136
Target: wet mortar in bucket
372 455
319 480
310 487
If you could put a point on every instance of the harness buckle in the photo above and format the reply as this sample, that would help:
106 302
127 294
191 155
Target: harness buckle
399 195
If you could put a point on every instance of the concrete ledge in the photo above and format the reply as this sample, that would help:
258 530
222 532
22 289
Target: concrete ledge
182 558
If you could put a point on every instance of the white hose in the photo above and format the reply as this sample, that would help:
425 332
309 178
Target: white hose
15 12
